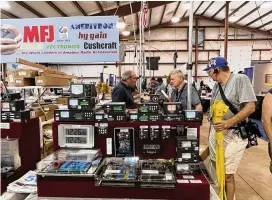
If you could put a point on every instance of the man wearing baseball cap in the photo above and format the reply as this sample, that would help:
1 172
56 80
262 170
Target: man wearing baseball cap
239 92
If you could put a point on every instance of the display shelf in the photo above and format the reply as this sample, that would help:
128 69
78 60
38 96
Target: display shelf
35 87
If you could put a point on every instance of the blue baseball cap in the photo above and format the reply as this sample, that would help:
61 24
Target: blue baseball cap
216 62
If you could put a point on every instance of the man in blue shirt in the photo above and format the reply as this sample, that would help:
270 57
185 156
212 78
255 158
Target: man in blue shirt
122 92
160 87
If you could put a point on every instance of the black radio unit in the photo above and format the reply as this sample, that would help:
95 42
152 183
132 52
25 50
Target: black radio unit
187 143
145 117
100 117
81 103
170 108
187 168
115 107
82 90
117 117
193 116
73 115
148 108
155 98
15 105
188 157
173 118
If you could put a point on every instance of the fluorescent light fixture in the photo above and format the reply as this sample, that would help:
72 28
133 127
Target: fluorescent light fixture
125 33
266 4
4 5
233 18
186 5
121 25
175 19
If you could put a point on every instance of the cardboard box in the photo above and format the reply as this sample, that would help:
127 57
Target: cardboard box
49 115
42 118
10 78
26 73
24 81
62 100
51 81
50 107
36 113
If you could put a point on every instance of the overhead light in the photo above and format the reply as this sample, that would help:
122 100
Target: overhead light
266 4
175 19
125 33
121 25
4 5
186 5
233 18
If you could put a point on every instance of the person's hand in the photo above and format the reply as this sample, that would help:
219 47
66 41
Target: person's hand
222 125
10 39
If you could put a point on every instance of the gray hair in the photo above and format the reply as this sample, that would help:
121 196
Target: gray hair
177 72
126 75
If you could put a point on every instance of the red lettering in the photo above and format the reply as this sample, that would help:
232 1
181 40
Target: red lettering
39 34
31 34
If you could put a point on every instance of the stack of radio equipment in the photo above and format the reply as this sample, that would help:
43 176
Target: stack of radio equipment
13 108
81 104
152 127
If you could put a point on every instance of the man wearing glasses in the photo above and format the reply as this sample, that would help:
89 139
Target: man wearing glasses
123 91
239 92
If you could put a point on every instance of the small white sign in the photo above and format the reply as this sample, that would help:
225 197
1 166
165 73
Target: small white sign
195 181
150 171
109 146
4 126
183 181
189 177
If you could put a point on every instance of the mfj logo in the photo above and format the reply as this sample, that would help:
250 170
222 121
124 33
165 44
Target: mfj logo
39 33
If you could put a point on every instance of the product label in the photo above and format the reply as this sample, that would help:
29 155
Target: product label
4 126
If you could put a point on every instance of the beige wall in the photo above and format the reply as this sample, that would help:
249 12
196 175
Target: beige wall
260 70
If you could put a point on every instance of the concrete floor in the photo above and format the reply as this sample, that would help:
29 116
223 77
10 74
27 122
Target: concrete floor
253 178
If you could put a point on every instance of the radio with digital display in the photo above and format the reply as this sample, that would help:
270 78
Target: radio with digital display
172 108
187 168
115 107
193 116
148 108
100 117
82 90
16 116
81 103
73 115
133 117
151 148
173 118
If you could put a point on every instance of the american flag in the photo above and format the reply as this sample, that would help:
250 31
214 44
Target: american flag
143 14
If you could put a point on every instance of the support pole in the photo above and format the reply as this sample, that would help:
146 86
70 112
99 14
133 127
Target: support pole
189 66
226 31
196 48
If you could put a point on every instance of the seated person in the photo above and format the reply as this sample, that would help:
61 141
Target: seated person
181 90
160 87
122 92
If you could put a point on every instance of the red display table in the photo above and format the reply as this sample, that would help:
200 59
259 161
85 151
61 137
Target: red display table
29 147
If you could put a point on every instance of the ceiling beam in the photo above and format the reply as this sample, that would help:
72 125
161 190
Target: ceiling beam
118 5
219 11
101 8
164 8
264 15
184 14
150 15
207 8
56 8
249 13
198 7
27 7
254 30
176 9
125 9
8 14
267 23
80 8
237 9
